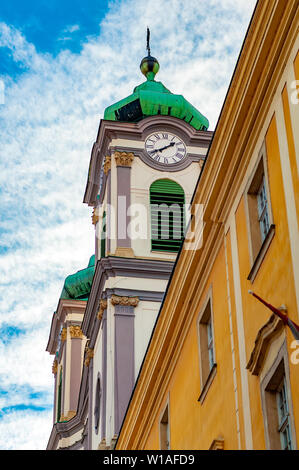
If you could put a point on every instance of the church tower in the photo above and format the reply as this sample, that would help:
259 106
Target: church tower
143 169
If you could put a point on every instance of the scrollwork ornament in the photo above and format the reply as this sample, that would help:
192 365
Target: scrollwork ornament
123 300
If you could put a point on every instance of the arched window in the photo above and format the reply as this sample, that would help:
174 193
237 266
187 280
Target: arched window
167 201
97 409
59 396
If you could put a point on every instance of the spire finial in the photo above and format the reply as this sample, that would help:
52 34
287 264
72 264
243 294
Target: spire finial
148 41
149 65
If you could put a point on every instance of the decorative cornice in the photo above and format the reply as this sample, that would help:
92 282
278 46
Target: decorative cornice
107 164
76 331
55 367
128 267
63 334
102 307
65 307
109 130
128 301
263 338
88 356
124 158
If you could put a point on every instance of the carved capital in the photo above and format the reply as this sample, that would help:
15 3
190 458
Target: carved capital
95 218
124 252
113 442
88 356
76 331
102 445
128 301
63 334
107 164
102 307
54 367
69 416
124 158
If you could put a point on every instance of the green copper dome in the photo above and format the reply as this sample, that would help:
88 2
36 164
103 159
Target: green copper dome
77 286
152 98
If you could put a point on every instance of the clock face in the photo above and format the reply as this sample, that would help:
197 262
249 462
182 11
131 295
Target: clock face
164 147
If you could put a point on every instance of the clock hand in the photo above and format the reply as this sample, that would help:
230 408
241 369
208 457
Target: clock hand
166 147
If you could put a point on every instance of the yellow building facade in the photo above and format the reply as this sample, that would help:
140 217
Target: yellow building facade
221 370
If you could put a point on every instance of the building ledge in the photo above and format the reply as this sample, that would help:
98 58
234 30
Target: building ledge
261 254
208 383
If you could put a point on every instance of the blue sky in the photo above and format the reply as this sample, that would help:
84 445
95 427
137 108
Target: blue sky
51 26
61 63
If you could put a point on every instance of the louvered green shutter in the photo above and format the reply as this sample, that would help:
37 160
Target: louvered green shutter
167 201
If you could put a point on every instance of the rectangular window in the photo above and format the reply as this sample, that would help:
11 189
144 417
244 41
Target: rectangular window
262 207
259 215
277 406
283 417
206 348
210 343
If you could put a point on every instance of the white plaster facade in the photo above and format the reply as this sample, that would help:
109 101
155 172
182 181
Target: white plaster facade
118 337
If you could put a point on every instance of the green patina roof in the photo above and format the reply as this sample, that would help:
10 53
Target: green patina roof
77 286
152 98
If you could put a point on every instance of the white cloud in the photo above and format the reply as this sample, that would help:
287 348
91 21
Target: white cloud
25 430
71 28
49 122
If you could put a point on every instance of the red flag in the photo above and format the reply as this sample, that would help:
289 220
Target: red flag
286 320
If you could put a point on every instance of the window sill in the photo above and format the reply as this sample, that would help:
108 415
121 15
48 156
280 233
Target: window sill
261 254
207 384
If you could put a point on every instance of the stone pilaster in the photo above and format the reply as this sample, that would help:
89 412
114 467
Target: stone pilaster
76 336
123 162
124 355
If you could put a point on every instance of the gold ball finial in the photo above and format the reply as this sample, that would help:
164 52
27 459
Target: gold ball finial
149 65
